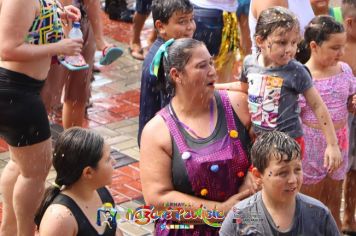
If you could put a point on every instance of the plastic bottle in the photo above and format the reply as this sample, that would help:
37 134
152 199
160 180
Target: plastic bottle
76 62
75 32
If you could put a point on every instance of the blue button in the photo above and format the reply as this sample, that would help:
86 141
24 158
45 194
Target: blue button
214 168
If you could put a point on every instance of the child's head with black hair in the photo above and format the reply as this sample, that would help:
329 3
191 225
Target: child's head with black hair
325 38
274 145
276 158
173 18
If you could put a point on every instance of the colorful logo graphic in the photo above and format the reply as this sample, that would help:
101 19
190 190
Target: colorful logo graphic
181 214
106 215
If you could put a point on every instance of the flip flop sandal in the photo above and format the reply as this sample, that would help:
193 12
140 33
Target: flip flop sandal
138 55
74 63
110 54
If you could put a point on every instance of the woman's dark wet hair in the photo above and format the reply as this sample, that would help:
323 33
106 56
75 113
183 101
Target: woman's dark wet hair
274 144
163 10
178 55
75 149
273 18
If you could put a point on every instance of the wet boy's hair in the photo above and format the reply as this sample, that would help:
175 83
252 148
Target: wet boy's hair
274 18
178 55
163 10
348 8
274 144
320 28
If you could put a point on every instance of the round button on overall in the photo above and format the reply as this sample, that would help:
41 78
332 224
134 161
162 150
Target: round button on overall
234 134
204 192
186 155
214 168
240 174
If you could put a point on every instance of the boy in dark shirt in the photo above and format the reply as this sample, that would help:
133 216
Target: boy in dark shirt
172 19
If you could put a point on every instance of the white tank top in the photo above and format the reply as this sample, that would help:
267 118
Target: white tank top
224 5
301 8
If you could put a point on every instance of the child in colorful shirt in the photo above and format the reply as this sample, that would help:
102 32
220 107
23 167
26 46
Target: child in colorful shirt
273 81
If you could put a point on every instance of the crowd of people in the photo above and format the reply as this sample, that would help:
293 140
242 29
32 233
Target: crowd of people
247 107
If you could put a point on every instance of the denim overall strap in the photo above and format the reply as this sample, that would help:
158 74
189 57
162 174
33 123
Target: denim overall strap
173 129
229 115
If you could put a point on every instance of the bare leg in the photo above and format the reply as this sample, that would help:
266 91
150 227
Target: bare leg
135 44
7 183
52 89
313 190
73 113
151 38
246 43
34 163
332 194
328 191
350 201
77 84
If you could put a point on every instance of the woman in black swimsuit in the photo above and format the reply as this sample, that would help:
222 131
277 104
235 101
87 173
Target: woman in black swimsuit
84 166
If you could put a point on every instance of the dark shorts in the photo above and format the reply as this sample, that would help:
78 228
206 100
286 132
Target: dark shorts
23 117
143 6
209 24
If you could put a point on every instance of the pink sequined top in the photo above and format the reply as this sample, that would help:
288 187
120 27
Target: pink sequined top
334 91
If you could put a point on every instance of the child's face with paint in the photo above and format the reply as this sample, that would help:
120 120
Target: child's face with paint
279 47
282 180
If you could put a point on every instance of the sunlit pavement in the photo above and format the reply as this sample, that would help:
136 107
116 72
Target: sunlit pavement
114 114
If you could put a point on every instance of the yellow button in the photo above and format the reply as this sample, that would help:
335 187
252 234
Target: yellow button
204 192
234 134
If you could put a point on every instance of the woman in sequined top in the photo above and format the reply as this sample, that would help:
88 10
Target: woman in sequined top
195 150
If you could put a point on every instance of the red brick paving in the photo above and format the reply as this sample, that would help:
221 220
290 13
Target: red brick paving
3 146
126 183
121 31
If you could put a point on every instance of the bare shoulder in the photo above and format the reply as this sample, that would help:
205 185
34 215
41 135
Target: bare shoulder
156 133
58 220
239 103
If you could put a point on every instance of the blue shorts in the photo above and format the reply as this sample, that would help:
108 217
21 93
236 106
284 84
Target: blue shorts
243 8
143 7
209 24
